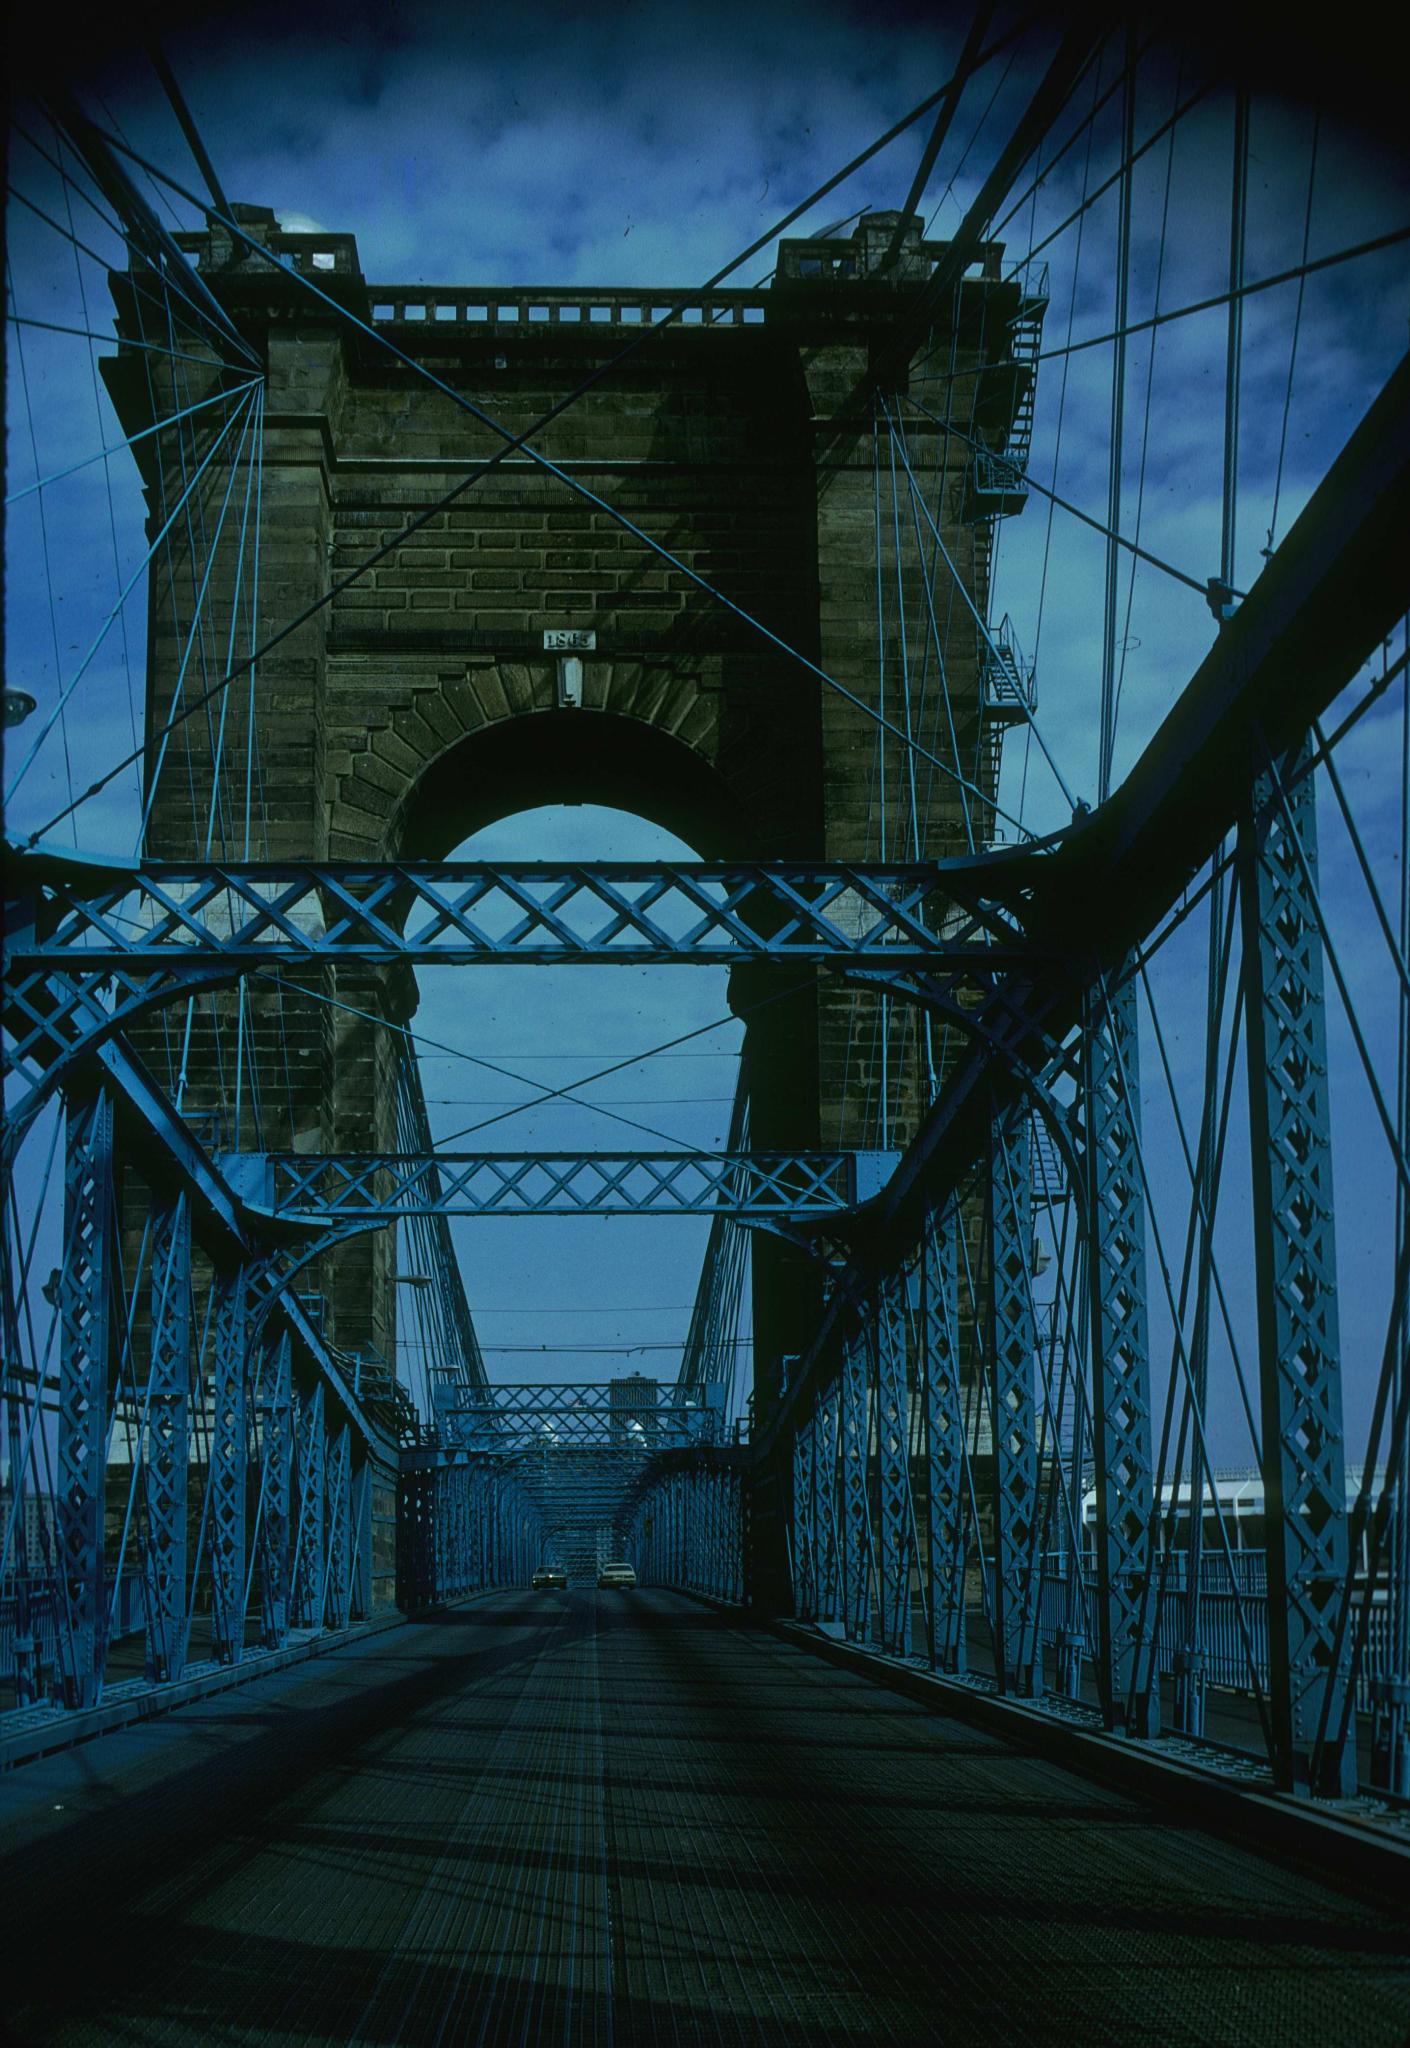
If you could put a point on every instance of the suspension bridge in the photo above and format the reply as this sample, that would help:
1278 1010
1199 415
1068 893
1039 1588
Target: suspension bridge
1020 1522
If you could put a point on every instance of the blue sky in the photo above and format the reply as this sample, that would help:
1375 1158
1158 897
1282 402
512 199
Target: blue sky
645 145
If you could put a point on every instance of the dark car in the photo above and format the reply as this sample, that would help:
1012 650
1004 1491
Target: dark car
549 1575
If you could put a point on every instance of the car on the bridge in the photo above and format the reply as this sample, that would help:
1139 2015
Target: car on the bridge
616 1576
549 1575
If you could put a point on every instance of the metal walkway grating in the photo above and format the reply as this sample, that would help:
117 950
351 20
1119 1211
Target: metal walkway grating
621 1820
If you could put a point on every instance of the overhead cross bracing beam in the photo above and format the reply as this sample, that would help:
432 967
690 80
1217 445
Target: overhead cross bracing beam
629 1416
752 1186
73 915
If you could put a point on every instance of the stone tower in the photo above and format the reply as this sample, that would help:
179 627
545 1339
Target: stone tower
424 701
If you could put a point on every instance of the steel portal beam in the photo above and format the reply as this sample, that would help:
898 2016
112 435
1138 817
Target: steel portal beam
73 915
511 1417
315 1189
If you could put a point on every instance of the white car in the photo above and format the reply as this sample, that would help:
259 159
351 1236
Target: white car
617 1576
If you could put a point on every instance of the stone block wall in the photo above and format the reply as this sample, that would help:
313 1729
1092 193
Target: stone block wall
420 703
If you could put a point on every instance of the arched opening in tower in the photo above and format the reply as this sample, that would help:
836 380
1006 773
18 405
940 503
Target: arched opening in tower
618 1318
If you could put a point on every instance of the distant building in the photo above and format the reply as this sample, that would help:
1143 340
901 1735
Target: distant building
38 1537
632 1403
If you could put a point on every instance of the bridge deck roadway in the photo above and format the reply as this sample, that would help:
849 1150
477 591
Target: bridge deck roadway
579 1818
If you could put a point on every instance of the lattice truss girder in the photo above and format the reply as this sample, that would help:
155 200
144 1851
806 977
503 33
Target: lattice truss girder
310 1536
462 1525
318 1188
274 1403
228 1453
889 1329
1012 1348
338 1595
687 1529
827 1548
1121 1356
87 1318
805 1604
946 1454
516 1416
180 916
856 1434
1295 1258
166 1434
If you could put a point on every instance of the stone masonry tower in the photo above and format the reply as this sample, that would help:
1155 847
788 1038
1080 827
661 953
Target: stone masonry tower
423 702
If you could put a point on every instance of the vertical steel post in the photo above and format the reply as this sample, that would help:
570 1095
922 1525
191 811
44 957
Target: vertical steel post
166 1460
308 1564
25 1661
1012 1341
361 1606
944 1442
805 1604
828 1563
1304 1479
1121 1427
228 1456
85 1367
339 1594
856 1446
893 1465
276 1465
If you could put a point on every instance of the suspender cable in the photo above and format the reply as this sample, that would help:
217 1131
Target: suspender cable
1107 738
969 62
188 124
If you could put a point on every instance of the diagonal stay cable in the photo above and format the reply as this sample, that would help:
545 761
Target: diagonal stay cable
1294 275
411 1037
1066 505
586 1080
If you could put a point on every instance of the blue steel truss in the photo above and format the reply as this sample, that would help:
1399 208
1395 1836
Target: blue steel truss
947 1466
68 914
1116 1264
827 1543
856 1432
1041 938
687 1525
86 1339
167 1434
1012 1362
229 1452
310 1542
1304 1474
896 1521
805 1523
752 1186
276 1431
